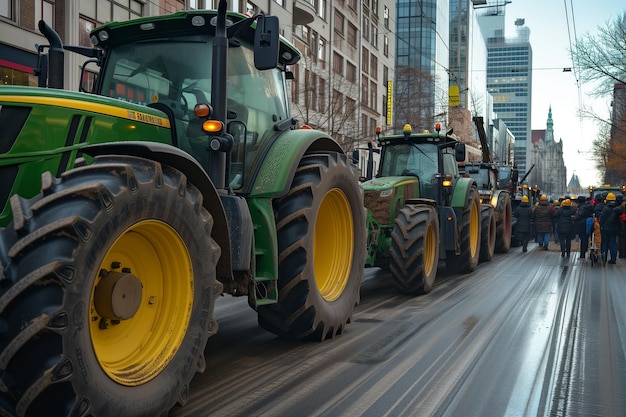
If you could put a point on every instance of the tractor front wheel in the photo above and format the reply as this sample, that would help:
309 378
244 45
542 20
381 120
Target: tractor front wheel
503 223
108 292
487 233
414 250
321 242
469 235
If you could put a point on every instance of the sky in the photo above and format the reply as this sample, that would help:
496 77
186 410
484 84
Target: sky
552 24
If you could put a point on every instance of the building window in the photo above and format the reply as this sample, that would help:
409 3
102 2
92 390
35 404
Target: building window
85 27
6 9
337 63
351 108
337 102
252 8
295 85
364 91
365 59
386 17
374 66
339 22
320 6
352 30
321 52
105 11
44 10
352 4
365 28
373 93
350 72
321 95
386 46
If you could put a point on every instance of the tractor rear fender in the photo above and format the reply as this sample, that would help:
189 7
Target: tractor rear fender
273 180
176 158
278 167
450 236
461 192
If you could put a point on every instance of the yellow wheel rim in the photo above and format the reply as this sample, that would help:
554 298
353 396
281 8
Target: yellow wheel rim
430 246
134 350
333 245
474 229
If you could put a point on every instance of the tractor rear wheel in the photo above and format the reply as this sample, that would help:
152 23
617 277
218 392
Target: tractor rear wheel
487 233
321 242
469 236
414 250
504 214
108 292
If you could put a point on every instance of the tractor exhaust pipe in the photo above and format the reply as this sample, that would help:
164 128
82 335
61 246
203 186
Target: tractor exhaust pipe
55 56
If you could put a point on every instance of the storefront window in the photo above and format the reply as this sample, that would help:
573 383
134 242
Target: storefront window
14 76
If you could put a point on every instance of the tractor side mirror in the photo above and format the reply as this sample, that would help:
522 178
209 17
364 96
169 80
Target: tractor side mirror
266 42
459 152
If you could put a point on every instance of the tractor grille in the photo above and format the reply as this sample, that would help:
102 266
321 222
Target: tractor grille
379 206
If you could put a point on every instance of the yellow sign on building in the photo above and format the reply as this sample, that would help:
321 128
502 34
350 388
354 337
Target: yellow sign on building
454 98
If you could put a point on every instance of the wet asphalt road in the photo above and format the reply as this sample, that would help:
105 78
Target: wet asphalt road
527 334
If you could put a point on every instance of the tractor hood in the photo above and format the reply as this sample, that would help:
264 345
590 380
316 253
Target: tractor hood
381 184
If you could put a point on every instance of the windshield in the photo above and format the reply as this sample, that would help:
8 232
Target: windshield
408 159
482 177
174 75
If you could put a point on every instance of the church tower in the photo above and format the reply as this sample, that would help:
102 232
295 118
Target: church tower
549 127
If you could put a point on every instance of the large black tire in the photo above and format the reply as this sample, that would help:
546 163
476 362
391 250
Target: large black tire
107 293
321 243
504 221
487 233
469 235
414 249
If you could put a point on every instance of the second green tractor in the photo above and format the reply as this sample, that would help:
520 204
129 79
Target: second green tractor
421 209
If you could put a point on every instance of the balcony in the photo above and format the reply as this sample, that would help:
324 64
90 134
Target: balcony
303 12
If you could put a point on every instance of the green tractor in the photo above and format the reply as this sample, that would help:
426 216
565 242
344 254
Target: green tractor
497 215
421 210
128 207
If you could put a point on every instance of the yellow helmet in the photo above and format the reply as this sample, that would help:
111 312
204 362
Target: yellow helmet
524 199
544 197
610 197
567 202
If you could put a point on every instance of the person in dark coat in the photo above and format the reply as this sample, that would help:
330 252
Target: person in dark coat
585 210
542 215
600 197
523 213
610 227
565 225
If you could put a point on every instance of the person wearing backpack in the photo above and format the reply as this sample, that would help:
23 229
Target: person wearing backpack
584 211
565 225
610 226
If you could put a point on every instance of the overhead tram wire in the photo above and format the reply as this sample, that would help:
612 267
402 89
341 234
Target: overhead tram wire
574 66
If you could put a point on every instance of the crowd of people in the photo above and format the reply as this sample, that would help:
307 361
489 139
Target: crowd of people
567 219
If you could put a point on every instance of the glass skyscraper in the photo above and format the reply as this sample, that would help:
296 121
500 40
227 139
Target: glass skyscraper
509 81
422 59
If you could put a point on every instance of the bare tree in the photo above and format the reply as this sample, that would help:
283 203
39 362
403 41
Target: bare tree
601 62
319 104
414 102
601 59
